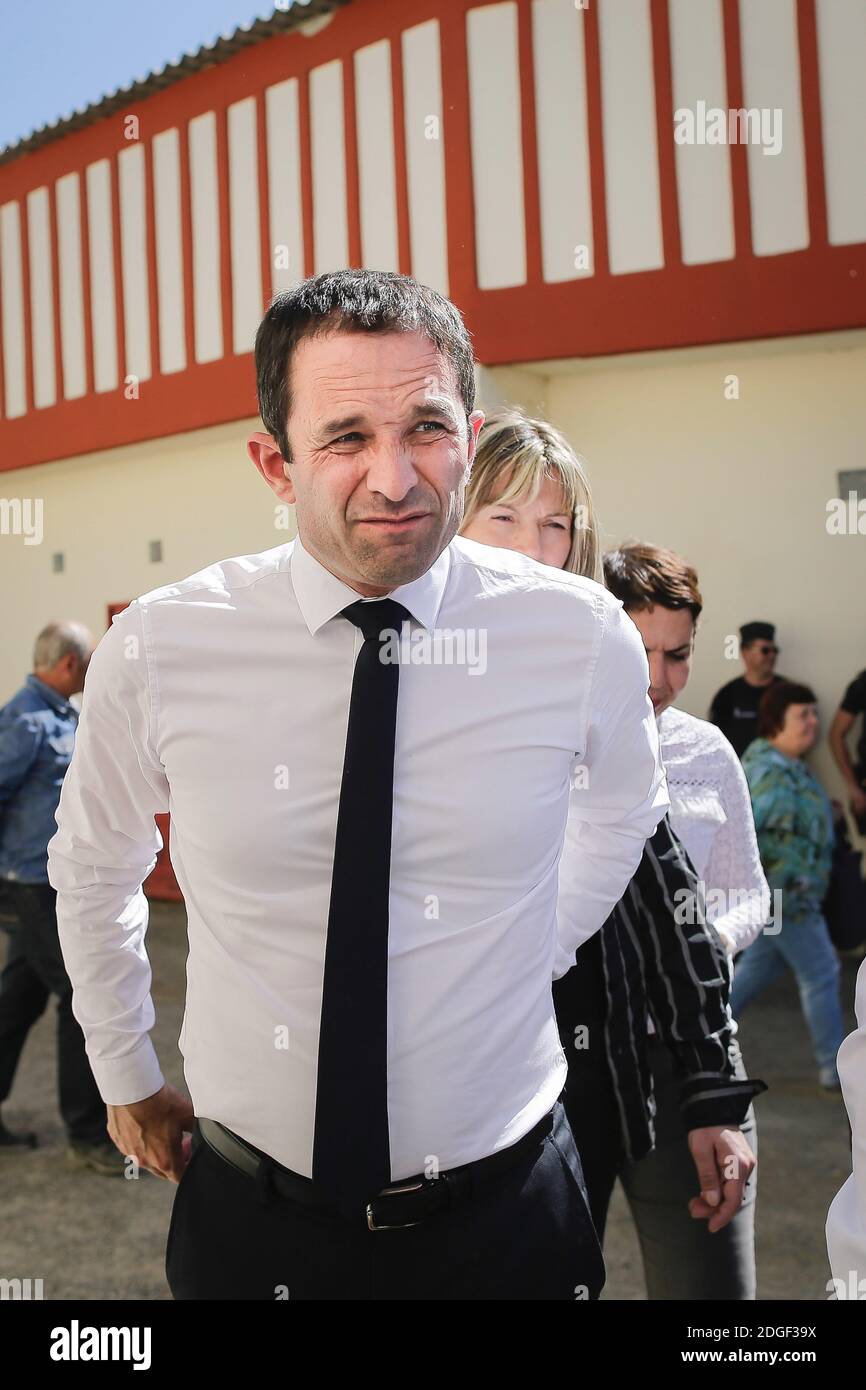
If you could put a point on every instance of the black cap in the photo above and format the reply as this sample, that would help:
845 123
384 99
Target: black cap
754 632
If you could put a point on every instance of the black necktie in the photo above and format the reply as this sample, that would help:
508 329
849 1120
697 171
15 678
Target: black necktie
351 1151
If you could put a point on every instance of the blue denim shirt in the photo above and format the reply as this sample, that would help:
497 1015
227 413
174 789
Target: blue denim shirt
37 736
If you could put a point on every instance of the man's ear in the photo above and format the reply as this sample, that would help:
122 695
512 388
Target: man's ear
263 451
476 420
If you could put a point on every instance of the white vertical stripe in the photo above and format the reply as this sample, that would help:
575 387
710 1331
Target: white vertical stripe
425 168
330 221
703 171
103 309
169 250
41 298
285 205
12 291
71 287
205 216
842 72
628 109
374 116
133 261
496 148
771 83
244 222
563 139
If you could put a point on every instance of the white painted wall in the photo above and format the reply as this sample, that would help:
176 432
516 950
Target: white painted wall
198 493
738 486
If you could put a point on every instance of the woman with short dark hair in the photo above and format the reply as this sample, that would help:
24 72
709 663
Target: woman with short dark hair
794 821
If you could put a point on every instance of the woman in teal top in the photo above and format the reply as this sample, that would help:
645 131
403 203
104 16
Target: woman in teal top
794 822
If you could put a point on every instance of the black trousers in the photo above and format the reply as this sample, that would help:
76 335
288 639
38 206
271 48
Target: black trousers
524 1234
34 970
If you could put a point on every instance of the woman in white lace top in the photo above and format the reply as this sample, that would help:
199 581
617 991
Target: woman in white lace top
711 813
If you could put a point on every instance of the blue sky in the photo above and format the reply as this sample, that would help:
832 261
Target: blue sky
56 56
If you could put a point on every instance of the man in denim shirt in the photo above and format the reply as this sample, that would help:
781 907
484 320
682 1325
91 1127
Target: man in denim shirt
37 736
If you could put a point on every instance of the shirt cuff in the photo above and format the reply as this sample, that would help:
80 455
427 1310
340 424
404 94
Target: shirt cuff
125 1080
718 1101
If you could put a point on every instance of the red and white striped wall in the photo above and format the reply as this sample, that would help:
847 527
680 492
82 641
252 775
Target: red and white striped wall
518 155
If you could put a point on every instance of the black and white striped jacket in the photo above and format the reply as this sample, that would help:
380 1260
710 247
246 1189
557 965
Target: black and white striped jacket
651 960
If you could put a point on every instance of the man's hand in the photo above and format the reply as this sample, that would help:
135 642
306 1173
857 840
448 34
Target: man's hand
151 1132
724 1162
858 801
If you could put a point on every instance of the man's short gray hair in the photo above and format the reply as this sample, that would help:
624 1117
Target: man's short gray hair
58 639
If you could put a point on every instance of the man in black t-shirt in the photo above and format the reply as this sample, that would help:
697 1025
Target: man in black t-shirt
854 773
735 706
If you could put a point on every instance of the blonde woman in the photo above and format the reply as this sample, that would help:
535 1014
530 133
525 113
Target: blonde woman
643 1014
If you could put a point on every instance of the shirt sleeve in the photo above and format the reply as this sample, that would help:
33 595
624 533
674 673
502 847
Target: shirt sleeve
846 1219
618 792
20 740
735 864
105 846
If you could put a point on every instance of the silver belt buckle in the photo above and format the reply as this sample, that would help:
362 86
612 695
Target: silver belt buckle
387 1192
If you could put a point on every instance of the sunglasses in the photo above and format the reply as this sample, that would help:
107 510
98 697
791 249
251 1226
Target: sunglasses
766 650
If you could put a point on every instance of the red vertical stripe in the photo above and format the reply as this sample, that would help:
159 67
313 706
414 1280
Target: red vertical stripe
350 143
592 58
152 292
813 136
2 351
401 176
661 41
267 253
457 133
54 236
306 161
531 187
86 288
739 164
26 288
222 148
120 310
186 234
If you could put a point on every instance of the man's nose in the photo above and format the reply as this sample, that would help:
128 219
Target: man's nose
391 472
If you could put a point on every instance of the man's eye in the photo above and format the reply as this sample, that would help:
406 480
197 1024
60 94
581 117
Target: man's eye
431 424
343 437
681 656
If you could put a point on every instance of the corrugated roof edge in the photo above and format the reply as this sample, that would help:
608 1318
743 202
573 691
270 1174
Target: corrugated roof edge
281 22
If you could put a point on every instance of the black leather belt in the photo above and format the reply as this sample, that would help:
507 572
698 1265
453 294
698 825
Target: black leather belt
405 1204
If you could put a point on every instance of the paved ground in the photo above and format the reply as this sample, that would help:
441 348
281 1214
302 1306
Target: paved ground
88 1236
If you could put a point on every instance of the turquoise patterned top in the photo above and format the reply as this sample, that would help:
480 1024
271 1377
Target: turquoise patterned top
794 821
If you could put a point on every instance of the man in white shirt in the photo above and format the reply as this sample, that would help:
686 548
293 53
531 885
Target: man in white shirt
368 740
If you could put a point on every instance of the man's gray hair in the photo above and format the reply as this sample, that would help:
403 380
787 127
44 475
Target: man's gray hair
58 639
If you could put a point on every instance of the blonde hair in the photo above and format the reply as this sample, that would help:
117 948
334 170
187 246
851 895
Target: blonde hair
515 454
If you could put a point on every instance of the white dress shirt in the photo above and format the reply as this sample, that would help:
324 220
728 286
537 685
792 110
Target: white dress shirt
224 699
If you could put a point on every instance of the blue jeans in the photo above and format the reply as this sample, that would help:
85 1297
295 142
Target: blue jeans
805 946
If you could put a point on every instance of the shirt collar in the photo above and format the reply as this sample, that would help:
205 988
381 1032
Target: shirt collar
321 595
50 696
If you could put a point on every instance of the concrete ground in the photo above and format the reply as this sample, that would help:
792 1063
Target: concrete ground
90 1237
